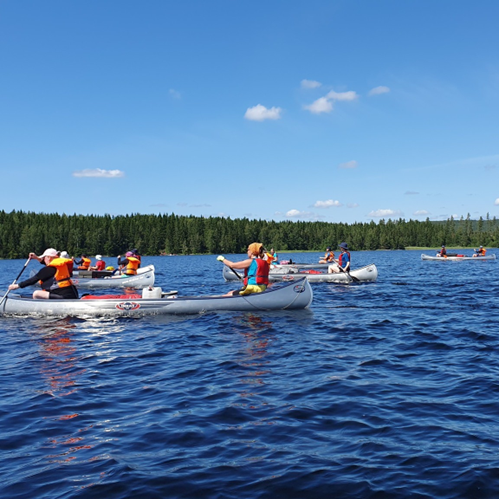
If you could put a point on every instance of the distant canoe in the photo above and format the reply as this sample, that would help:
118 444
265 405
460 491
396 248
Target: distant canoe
92 280
369 273
461 258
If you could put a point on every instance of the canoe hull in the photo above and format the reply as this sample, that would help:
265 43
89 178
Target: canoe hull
458 258
142 280
369 273
289 296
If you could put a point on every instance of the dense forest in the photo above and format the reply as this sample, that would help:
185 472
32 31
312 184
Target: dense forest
22 232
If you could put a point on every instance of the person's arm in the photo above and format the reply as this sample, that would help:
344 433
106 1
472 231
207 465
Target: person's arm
238 265
41 275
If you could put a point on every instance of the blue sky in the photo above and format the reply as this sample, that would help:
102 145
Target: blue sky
340 111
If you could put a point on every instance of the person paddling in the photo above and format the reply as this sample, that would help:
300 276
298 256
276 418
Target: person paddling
256 270
83 263
442 252
343 262
130 263
54 278
328 256
100 264
480 251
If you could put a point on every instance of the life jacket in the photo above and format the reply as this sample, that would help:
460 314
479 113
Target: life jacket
270 258
132 265
62 273
86 263
481 252
70 264
258 275
100 265
340 258
329 256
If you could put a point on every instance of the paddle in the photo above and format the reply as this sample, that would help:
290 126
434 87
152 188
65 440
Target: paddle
15 280
221 259
353 278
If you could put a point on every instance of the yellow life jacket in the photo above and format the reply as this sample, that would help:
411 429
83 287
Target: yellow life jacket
132 265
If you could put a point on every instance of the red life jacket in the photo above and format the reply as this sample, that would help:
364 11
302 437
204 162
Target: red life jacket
340 258
262 273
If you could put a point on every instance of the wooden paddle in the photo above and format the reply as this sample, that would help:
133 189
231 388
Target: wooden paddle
15 280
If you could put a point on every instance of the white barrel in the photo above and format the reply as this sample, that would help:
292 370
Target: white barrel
151 292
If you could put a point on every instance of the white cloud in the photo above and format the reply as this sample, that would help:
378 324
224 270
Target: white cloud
496 202
301 214
411 193
343 96
321 105
97 172
348 165
261 113
384 213
379 90
352 205
421 212
310 84
327 204
325 104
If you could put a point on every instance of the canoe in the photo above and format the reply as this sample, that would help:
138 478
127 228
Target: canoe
461 258
288 296
107 273
95 280
369 273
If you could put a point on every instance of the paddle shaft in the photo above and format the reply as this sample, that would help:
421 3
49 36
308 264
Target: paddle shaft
15 280
355 279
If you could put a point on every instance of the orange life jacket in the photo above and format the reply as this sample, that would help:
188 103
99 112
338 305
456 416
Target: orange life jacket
132 265
62 273
482 252
329 256
86 263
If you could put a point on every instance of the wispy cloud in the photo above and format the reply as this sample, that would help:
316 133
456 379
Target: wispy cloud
419 213
348 165
384 213
307 215
175 94
496 202
379 90
261 113
352 205
310 84
411 193
327 204
325 104
99 173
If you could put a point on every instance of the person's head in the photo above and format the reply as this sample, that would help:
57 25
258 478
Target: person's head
48 255
255 249
481 247
98 257
443 245
65 254
135 251
84 256
344 246
328 249
129 253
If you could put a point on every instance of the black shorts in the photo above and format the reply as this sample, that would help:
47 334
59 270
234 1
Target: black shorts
67 293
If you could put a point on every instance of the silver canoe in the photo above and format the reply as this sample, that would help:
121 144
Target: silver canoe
143 279
368 273
458 258
288 296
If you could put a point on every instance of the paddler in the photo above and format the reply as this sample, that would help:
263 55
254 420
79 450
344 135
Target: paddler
54 278
256 270
130 263
83 263
100 264
343 262
480 251
328 256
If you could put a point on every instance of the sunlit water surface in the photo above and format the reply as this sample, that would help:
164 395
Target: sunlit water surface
381 390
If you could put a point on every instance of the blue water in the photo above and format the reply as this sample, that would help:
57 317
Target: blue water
381 390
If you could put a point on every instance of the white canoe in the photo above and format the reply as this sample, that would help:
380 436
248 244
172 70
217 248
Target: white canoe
143 279
288 296
437 258
369 273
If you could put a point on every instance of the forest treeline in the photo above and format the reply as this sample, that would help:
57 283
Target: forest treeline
22 232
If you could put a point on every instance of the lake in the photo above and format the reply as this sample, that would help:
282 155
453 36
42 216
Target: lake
381 390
